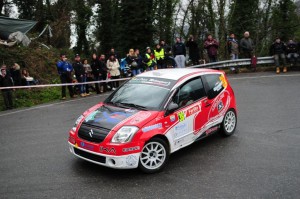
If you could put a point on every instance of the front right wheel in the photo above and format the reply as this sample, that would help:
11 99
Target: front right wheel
154 155
229 123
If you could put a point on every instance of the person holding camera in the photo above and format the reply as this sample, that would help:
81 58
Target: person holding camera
211 45
193 50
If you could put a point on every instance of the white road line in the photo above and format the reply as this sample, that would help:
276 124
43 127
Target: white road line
48 105
64 102
264 76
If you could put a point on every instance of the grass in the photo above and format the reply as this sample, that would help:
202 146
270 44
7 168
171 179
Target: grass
32 97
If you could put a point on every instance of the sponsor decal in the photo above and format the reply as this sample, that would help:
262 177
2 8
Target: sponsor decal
107 149
135 148
220 106
172 118
180 129
152 127
223 80
190 111
131 160
217 102
91 116
211 130
218 86
86 146
140 117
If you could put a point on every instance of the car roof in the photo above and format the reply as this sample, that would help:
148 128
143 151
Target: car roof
175 73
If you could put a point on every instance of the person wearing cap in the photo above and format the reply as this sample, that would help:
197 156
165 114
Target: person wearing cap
65 69
278 50
6 81
179 53
80 75
149 59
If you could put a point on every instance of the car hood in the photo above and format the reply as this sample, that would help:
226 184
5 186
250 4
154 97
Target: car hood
112 117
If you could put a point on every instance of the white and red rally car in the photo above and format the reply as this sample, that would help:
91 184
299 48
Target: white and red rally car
153 115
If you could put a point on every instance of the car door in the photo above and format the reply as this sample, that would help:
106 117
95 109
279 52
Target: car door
218 99
190 100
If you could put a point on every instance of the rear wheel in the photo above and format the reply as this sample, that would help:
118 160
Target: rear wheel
229 123
154 156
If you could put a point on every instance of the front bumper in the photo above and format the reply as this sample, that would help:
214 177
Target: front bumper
118 162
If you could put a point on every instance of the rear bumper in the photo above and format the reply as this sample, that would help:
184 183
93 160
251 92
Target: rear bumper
118 162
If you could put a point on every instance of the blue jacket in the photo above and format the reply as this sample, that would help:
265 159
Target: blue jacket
64 67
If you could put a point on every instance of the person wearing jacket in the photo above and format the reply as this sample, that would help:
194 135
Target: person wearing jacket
159 54
149 59
97 71
113 68
132 61
233 50
80 75
277 50
211 45
65 69
6 81
247 46
193 50
179 53
292 51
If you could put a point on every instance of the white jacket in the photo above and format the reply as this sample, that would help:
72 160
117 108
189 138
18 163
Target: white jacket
113 67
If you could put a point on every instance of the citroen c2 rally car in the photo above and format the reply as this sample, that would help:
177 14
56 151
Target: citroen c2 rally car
153 115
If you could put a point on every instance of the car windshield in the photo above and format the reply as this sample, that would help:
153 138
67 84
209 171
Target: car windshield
140 96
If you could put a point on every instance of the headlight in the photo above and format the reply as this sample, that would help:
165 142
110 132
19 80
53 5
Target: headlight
124 134
77 122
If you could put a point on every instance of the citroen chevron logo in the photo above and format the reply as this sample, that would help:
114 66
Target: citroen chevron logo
91 133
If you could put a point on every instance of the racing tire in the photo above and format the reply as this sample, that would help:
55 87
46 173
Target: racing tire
154 155
229 123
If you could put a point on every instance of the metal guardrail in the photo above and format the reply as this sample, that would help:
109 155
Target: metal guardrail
237 62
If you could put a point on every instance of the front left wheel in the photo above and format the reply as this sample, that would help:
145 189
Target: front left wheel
154 155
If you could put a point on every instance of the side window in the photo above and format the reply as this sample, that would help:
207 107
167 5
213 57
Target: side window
215 84
189 93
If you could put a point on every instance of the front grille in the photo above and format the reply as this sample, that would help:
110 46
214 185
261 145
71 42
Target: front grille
90 156
92 133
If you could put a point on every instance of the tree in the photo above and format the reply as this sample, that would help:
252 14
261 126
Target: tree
26 8
285 20
136 24
84 13
243 17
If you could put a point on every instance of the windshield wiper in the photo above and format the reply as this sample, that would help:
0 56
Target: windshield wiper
134 105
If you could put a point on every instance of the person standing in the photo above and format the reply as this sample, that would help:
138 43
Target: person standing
247 46
15 73
179 53
65 69
6 81
96 66
169 59
149 59
88 74
193 50
139 61
211 45
113 68
277 50
131 60
103 71
159 54
233 50
80 75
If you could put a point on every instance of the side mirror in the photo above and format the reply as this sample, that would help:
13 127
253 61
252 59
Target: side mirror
172 107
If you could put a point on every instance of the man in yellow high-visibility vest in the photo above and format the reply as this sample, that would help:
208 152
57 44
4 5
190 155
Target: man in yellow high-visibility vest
159 54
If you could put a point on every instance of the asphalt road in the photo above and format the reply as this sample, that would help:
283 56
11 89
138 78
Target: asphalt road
261 160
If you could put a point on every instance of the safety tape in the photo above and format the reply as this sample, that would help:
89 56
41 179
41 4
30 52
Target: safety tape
66 84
